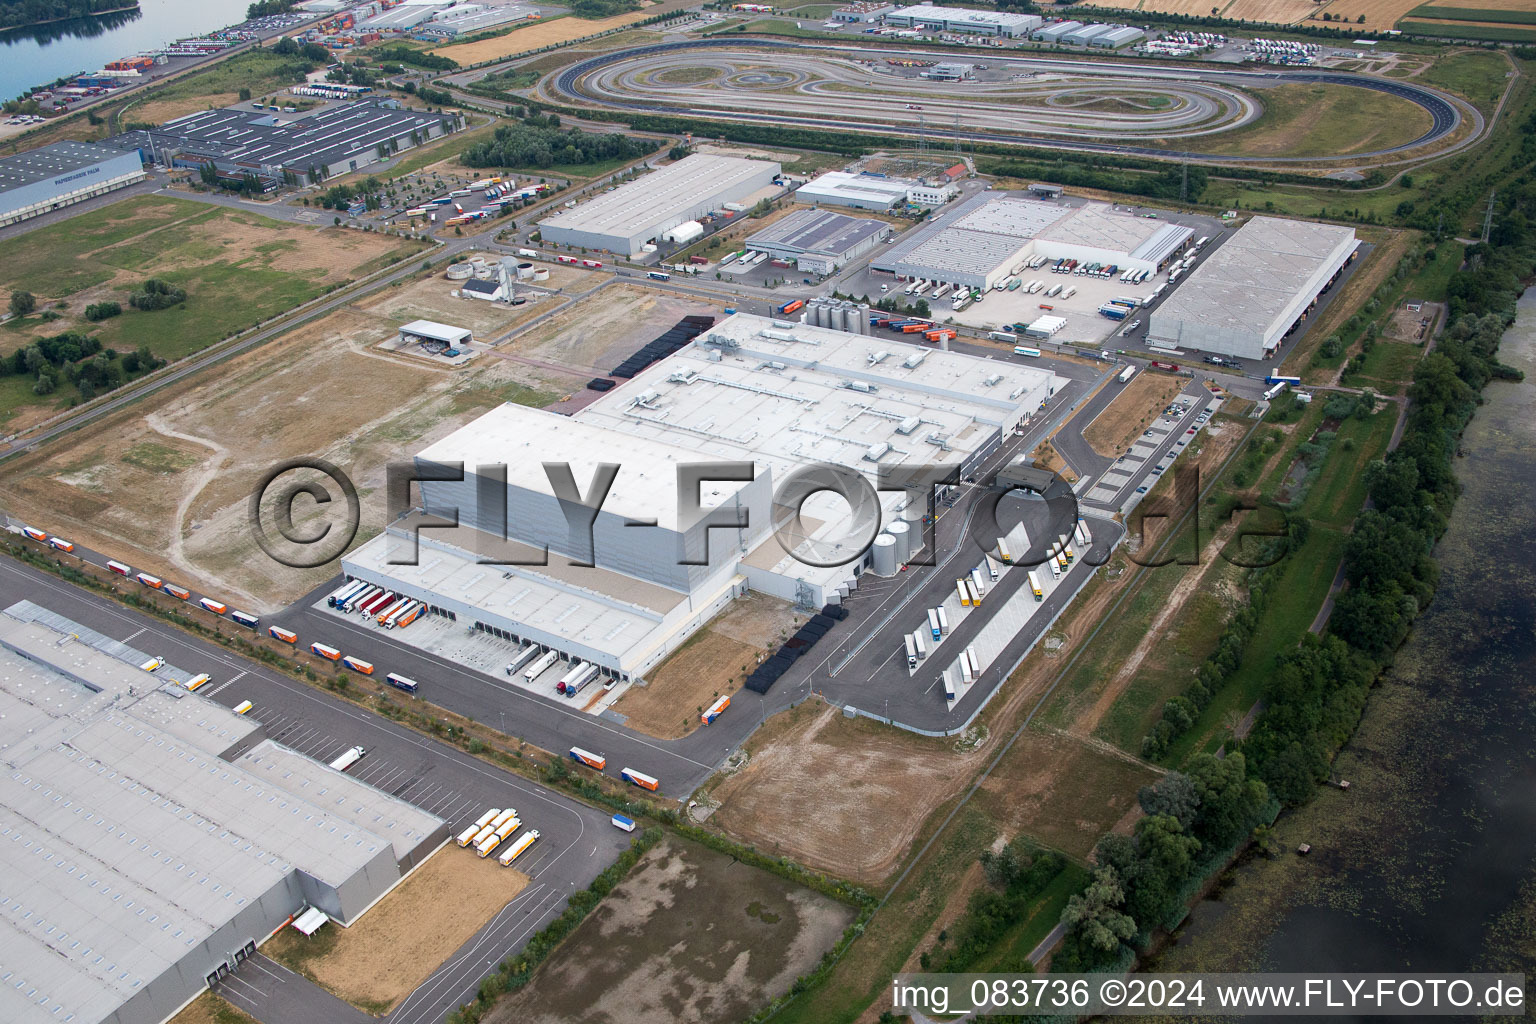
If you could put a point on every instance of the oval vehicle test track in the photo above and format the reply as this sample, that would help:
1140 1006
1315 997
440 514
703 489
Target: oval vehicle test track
1046 103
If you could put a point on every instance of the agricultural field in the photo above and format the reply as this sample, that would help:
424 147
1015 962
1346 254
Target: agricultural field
165 485
1500 20
237 268
689 935
554 32
1279 12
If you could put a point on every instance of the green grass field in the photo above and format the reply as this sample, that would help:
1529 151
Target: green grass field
230 262
1480 33
1320 120
1474 14
1480 77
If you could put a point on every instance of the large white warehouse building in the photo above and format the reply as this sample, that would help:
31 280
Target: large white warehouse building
624 587
640 211
153 838
1247 295
986 239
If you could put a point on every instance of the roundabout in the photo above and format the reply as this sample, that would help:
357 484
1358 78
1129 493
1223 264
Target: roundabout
1101 106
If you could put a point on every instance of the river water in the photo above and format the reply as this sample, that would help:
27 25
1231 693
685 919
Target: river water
53 51
1428 862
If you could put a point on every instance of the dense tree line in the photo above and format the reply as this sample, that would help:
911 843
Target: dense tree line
157 294
286 47
526 145
415 58
21 13
602 8
1016 876
1143 881
266 8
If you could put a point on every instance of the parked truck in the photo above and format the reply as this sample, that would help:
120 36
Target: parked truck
537 668
1127 373
468 835
1034 586
911 651
518 848
1003 551
714 710
933 625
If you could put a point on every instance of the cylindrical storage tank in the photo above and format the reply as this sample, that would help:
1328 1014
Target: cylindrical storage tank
525 271
477 261
484 273
912 512
903 534
460 272
541 273
883 555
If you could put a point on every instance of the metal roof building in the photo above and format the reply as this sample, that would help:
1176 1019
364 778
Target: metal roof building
1082 36
44 179
963 20
768 396
1052 33
819 240
1118 36
151 838
430 330
335 139
860 191
623 220
1247 295
985 240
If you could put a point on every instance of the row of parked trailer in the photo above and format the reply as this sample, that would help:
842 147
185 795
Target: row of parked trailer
598 762
495 827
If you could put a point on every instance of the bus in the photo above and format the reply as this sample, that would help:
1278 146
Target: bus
287 636
400 682
245 619
349 758
243 707
656 275
325 651
640 779
201 679
358 665
1005 336
1025 350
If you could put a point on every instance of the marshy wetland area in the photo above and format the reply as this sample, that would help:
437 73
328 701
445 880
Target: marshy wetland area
1425 862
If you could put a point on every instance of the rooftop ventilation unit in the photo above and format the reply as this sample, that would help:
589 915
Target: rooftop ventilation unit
778 335
859 385
938 440
915 360
993 380
687 376
878 357
875 451
907 425
722 340
647 398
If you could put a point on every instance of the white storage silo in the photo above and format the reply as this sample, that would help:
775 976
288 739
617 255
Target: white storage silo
525 271
460 272
903 534
541 273
883 555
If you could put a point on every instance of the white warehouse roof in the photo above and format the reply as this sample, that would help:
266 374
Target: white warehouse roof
434 331
848 189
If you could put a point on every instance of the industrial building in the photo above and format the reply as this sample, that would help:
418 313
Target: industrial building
1118 36
1054 32
1245 297
871 191
987 239
152 838
865 12
40 180
640 211
964 21
431 331
300 148
468 19
769 396
819 241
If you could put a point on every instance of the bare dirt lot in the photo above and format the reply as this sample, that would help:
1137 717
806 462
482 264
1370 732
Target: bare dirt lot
540 36
165 487
872 786
210 1009
1123 420
432 913
605 329
691 936
715 660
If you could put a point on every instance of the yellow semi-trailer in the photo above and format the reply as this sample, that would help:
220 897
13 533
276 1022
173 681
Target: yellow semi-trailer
495 839
1034 586
468 835
518 848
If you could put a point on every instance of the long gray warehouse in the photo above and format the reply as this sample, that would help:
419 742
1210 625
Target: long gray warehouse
819 241
151 838
1250 292
40 180
623 220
